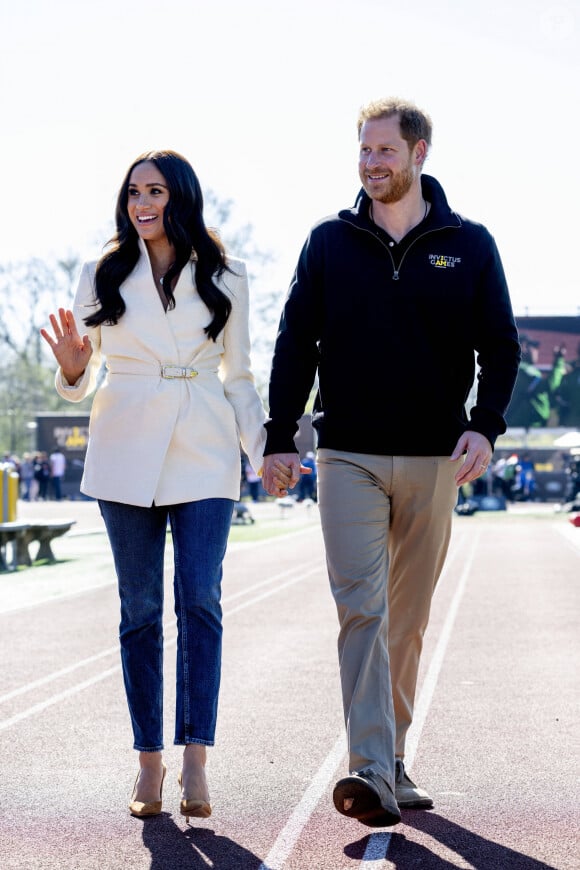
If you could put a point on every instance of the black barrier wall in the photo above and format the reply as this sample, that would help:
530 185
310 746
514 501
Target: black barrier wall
70 434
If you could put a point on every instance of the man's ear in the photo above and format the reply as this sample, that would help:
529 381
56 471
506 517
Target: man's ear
421 149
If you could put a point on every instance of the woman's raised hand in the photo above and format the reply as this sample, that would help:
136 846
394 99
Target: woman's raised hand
71 351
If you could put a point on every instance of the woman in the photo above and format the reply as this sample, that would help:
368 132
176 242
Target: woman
167 313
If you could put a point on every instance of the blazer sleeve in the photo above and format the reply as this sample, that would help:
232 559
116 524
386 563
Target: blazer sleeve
84 305
235 368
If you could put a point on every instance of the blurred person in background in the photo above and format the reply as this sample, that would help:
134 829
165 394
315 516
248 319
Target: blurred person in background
57 461
42 475
26 477
254 482
307 484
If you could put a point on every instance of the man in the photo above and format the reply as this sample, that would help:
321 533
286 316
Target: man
57 470
391 302
307 485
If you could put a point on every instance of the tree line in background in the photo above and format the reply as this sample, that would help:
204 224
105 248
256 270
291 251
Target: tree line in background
32 289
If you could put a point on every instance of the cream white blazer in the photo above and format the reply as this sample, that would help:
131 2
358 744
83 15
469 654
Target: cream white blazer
158 439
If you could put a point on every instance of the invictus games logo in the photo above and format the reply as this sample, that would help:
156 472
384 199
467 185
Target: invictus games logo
71 437
442 261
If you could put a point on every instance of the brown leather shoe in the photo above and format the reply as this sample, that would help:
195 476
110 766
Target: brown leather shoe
366 796
409 796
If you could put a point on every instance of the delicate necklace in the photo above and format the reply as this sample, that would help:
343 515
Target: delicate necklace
160 278
372 215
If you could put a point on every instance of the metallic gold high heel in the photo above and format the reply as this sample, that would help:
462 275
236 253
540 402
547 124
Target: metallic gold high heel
146 808
195 808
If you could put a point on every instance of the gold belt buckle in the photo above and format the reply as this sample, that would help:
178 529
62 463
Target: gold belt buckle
170 372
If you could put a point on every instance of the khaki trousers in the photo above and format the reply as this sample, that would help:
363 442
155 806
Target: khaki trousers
386 522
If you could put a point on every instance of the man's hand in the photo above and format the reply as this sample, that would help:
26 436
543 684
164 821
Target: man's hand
281 472
478 456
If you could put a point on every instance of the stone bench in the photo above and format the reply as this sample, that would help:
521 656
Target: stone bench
12 533
21 535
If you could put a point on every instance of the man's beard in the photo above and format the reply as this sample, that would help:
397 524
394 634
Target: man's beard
399 185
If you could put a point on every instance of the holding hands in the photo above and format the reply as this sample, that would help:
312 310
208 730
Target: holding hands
70 350
281 472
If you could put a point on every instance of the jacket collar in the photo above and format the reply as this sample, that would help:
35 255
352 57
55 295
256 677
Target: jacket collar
441 215
144 252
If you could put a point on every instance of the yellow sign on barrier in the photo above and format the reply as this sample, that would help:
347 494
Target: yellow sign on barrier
8 493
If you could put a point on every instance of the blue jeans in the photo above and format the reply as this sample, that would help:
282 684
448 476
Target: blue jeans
137 535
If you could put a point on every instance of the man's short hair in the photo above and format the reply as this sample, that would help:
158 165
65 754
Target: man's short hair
414 123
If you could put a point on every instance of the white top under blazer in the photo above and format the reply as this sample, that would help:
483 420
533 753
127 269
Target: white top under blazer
167 440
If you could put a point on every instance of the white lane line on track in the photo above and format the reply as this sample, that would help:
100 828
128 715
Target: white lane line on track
378 844
266 582
376 850
8 609
42 681
571 534
430 682
54 699
78 687
313 570
291 831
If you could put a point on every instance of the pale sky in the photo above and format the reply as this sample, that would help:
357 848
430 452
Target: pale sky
262 98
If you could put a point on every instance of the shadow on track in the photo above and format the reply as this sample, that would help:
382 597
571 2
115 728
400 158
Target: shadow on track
173 848
482 854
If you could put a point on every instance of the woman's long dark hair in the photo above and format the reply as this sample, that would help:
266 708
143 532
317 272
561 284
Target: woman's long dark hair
187 232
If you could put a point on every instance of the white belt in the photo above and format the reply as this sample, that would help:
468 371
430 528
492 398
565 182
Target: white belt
178 372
